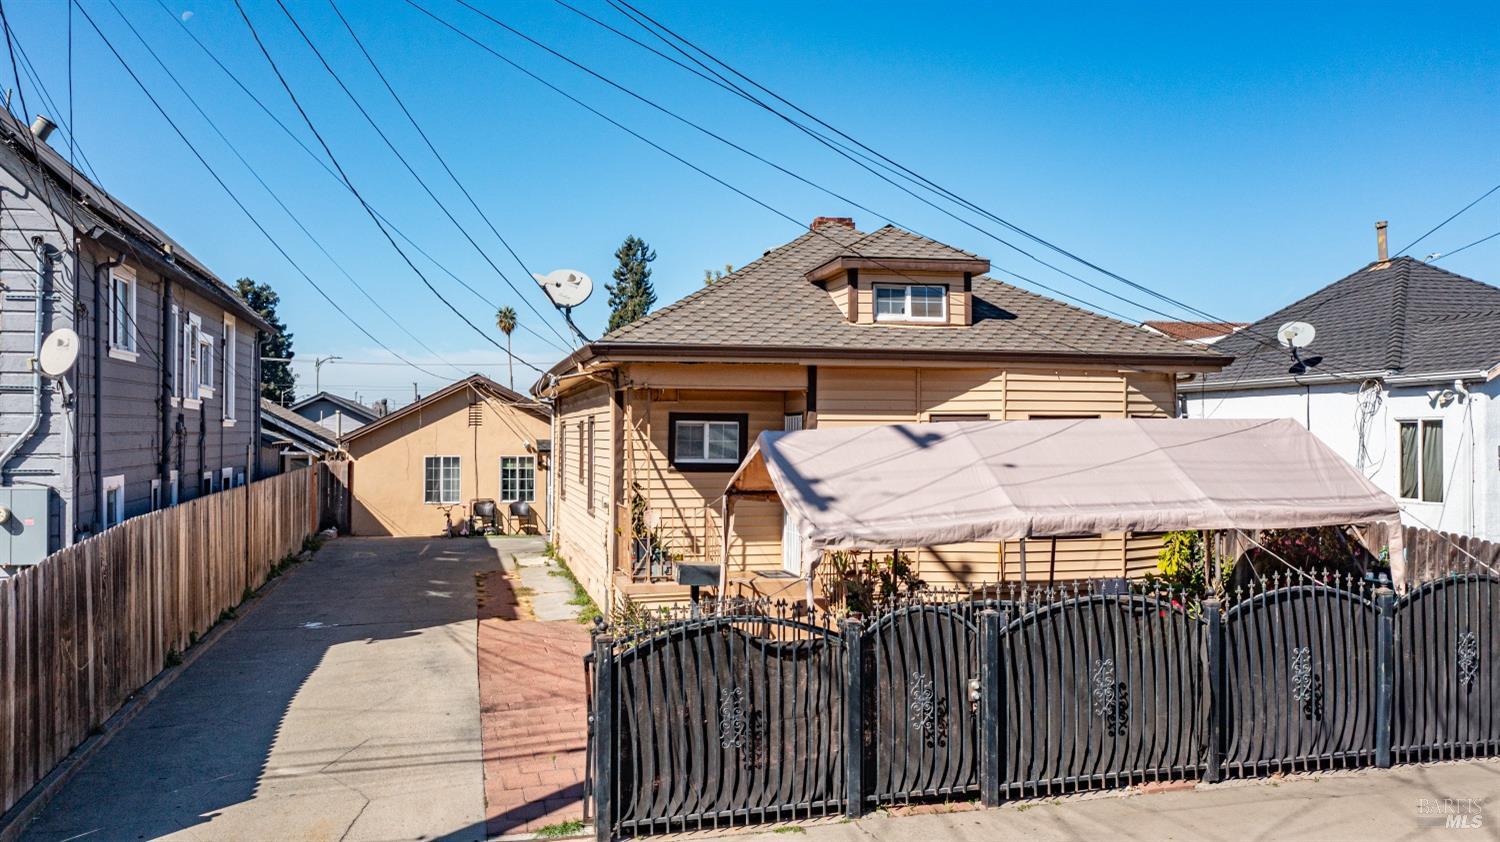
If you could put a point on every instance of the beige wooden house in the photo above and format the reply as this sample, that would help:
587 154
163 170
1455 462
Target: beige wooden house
837 327
474 439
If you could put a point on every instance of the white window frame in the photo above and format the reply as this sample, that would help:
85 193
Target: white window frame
175 354
524 458
905 314
458 489
226 479
703 458
112 485
174 486
1422 425
205 362
192 395
207 486
239 479
231 334
122 338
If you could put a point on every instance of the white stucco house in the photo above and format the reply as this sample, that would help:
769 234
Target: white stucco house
1402 378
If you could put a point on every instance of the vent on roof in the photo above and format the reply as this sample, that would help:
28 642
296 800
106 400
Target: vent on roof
42 127
825 221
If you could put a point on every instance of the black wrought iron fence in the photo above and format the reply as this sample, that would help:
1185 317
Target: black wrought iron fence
760 713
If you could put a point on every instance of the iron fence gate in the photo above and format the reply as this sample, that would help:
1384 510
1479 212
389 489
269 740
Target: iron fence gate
761 714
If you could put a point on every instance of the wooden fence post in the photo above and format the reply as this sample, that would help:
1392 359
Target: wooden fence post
605 750
854 719
1385 673
991 707
1218 689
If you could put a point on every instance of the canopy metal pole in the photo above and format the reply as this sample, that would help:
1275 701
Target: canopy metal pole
1024 578
727 510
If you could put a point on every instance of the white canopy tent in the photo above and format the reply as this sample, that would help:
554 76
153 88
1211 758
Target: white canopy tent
920 485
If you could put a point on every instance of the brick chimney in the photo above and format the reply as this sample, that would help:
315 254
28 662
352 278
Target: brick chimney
1380 240
826 221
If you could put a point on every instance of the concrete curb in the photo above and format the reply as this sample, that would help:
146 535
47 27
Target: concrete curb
13 823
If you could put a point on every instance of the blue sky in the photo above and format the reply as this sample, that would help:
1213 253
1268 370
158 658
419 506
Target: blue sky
1234 158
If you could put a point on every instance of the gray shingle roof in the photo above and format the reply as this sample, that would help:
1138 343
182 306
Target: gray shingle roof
1402 315
768 304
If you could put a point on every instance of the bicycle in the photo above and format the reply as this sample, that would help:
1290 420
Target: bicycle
451 529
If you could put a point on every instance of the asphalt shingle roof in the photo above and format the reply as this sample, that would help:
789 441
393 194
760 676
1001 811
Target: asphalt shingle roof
1402 315
769 304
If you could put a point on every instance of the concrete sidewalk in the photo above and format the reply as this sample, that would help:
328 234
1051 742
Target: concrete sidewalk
1404 803
343 707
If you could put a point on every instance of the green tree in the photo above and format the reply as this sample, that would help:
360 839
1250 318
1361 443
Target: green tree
711 276
505 319
631 295
276 380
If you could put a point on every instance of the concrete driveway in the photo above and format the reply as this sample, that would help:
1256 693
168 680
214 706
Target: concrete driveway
343 706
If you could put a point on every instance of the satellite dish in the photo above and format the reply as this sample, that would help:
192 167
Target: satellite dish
1296 334
566 287
59 352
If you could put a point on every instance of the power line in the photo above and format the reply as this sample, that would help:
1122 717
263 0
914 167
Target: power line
272 193
409 168
363 204
235 198
323 164
1449 254
1456 215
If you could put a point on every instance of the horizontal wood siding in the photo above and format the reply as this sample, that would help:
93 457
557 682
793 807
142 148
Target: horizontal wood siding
583 536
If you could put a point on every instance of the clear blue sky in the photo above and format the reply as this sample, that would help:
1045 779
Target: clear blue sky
1234 158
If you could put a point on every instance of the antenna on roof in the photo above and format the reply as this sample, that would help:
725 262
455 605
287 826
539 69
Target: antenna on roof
567 288
1296 336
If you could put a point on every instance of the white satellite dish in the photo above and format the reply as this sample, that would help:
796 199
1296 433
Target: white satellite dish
1296 334
566 287
59 352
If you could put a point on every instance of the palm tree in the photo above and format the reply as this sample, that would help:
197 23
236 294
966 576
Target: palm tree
505 319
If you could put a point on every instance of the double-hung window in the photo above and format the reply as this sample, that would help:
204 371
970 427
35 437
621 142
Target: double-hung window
114 500
440 479
706 441
911 303
205 362
122 300
1421 460
517 479
190 356
230 357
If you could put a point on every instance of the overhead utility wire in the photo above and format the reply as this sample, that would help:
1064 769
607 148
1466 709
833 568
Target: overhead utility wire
281 124
1449 254
1455 215
272 193
412 170
905 172
235 198
407 259
690 165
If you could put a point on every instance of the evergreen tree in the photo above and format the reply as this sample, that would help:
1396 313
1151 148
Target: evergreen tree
505 319
631 295
276 380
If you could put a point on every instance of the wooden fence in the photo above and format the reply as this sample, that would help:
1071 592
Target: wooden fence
1432 555
92 624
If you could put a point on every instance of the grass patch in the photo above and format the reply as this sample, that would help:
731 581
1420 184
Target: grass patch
174 658
561 829
791 828
587 610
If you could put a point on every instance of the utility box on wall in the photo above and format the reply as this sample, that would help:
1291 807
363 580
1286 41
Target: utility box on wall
23 531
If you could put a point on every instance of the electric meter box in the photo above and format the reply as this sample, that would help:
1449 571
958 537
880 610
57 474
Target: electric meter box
23 535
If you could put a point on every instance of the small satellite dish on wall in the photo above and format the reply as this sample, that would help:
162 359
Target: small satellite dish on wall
1296 334
59 352
566 287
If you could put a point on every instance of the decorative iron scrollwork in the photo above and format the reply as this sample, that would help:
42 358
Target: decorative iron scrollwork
1468 659
929 714
1111 699
734 726
1307 686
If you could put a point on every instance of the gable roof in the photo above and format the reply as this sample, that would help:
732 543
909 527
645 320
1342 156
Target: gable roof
1400 316
96 213
349 406
530 406
278 418
768 308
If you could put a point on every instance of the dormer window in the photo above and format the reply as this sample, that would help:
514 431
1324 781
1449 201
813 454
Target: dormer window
911 303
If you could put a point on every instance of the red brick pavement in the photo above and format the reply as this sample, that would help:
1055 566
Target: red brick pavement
531 697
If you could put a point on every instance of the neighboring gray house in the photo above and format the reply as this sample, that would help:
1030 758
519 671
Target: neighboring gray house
335 412
288 441
161 403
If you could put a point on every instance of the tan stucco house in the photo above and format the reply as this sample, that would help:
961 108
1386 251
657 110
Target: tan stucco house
473 440
837 327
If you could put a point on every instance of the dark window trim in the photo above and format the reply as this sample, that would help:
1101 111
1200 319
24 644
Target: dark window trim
706 467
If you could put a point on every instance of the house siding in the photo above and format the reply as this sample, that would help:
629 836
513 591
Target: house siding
583 533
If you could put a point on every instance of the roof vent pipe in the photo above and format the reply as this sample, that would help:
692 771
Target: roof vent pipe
1380 239
42 127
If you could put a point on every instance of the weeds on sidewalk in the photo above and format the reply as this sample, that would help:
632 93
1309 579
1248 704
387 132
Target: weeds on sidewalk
561 829
587 609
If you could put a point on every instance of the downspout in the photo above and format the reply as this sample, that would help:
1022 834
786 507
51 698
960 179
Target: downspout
168 342
98 489
44 258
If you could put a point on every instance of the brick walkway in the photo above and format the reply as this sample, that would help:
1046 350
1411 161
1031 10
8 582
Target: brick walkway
531 696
